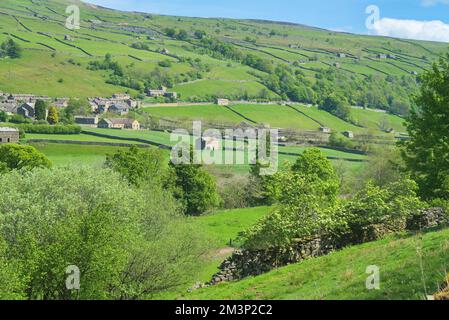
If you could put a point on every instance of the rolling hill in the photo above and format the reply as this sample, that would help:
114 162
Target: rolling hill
56 65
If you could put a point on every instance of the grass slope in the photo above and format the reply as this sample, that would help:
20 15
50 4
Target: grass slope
411 267
39 26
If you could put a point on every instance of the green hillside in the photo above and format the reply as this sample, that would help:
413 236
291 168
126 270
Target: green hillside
135 40
411 267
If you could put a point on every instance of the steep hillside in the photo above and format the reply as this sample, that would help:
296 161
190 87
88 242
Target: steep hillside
203 58
411 267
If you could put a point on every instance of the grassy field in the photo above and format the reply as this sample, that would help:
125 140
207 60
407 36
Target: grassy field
223 226
64 154
276 116
208 113
75 137
411 267
39 28
217 229
72 154
374 120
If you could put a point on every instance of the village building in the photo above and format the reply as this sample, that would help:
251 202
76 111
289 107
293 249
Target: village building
27 110
223 102
382 56
337 65
9 107
161 92
349 134
119 123
61 103
172 95
341 55
165 51
9 135
121 96
68 37
119 108
325 130
414 73
208 143
86 120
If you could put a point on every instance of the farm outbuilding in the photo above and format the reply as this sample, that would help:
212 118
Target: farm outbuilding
9 135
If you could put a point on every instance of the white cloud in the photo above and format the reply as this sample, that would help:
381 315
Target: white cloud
412 29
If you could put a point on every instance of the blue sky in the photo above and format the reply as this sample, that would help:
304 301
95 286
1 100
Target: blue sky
403 18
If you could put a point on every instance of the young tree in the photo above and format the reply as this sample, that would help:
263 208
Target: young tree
139 166
14 156
53 115
40 110
11 49
195 187
426 153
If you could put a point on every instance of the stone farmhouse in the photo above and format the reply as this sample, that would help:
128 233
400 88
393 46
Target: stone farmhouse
23 104
325 130
27 110
119 123
208 143
161 92
9 135
119 108
122 102
223 102
349 134
87 120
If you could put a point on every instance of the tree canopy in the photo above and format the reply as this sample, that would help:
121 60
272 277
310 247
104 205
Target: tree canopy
426 153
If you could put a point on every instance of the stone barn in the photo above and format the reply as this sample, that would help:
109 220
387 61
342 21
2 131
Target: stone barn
9 135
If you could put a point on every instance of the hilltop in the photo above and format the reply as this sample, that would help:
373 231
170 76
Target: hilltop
203 58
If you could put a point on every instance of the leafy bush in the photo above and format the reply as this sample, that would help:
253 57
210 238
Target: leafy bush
194 187
10 48
304 194
139 166
18 157
128 243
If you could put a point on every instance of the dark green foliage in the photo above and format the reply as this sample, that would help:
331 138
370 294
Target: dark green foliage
165 64
48 129
426 154
107 64
339 140
40 110
10 48
18 157
3 116
194 187
139 166
199 34
74 107
338 106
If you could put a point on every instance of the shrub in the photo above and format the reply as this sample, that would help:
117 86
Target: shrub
18 157
194 187
139 166
128 243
